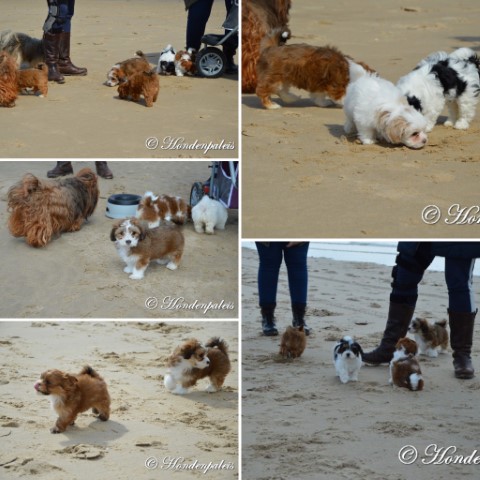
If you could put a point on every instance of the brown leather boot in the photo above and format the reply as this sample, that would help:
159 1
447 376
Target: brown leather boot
65 65
399 318
103 170
60 170
461 339
50 52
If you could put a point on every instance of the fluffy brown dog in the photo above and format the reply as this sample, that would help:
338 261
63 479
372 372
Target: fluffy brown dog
8 80
34 78
138 245
404 367
163 209
192 361
138 84
293 342
324 72
74 394
40 209
122 70
259 17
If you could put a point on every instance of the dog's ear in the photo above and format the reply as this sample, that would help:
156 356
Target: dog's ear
114 228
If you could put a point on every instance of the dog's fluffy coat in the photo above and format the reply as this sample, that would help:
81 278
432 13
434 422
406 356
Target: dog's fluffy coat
163 209
23 48
40 209
347 358
293 342
431 339
209 214
8 80
122 70
35 79
404 367
138 84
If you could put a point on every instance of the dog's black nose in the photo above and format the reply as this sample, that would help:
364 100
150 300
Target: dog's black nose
128 242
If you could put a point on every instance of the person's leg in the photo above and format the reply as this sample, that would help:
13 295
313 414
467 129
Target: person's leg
461 313
198 15
406 275
51 40
61 169
296 262
270 260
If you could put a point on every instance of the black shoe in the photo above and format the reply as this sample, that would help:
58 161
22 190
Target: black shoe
269 327
60 170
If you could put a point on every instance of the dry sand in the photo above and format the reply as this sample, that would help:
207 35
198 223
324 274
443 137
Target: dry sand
84 118
80 275
300 422
333 187
146 421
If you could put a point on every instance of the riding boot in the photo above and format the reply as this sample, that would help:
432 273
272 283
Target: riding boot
60 170
298 310
65 65
268 320
103 170
399 318
51 52
461 339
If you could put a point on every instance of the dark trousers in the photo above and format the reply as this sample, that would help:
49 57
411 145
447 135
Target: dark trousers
60 15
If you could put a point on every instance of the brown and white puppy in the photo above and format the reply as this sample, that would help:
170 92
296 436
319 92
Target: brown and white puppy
122 70
192 361
163 209
40 209
143 83
404 367
185 62
35 79
74 394
324 72
431 339
293 342
8 80
138 245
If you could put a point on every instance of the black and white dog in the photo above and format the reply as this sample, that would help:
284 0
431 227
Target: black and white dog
166 61
24 49
347 358
445 78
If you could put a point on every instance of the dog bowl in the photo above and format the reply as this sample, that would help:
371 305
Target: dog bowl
122 205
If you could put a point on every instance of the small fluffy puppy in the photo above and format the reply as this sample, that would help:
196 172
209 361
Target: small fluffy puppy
8 80
35 79
376 109
293 342
163 209
122 70
443 79
74 394
431 339
347 358
324 72
209 214
138 245
138 84
185 62
23 48
192 361
404 367
166 61
40 209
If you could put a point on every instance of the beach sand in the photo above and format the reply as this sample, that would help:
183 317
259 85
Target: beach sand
146 421
80 275
84 118
332 186
300 421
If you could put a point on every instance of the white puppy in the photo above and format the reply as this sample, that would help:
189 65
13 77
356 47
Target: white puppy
377 109
347 358
441 78
166 61
209 214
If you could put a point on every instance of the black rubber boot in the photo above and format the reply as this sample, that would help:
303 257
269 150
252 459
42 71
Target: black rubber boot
51 49
298 310
399 318
60 170
461 339
268 320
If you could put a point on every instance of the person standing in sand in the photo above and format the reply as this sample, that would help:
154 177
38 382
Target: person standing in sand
65 168
56 41
271 255
198 14
412 260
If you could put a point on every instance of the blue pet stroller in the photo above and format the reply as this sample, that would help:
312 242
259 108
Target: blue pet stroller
222 185
210 60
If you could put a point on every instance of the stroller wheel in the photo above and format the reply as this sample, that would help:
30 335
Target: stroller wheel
196 193
211 62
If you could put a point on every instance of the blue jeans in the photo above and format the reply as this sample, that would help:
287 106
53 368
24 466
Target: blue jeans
61 22
271 257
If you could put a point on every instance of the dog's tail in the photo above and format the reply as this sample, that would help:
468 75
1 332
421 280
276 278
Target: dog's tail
415 382
219 343
441 323
276 38
139 53
87 370
466 55
358 69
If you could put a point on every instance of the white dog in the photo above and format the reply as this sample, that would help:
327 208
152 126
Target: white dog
347 358
441 78
377 109
209 214
166 61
